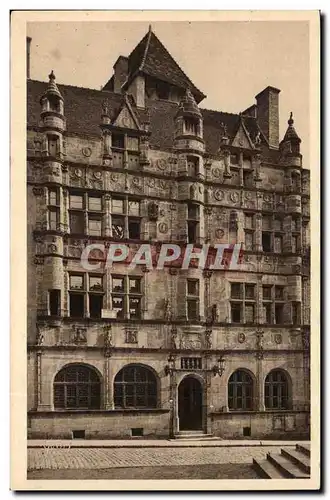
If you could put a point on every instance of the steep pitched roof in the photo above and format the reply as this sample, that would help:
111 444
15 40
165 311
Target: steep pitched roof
152 58
291 133
83 108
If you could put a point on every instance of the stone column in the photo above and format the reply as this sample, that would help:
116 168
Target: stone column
43 403
107 388
260 403
107 215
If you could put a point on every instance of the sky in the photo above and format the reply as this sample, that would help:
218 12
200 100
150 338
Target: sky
230 62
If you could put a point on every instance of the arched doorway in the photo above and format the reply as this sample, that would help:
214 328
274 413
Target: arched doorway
190 404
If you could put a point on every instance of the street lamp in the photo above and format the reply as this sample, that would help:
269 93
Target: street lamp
219 368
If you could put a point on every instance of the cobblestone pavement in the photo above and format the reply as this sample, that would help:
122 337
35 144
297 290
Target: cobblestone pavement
97 458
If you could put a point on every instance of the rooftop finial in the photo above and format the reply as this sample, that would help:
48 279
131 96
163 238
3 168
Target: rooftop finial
51 76
150 28
290 120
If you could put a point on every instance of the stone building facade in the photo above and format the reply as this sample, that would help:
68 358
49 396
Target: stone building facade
118 352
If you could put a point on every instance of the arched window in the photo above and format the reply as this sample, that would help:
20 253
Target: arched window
135 387
77 387
276 391
240 391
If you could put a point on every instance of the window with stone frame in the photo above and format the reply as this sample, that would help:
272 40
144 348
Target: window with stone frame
193 222
240 391
86 295
296 313
53 218
243 302
273 304
234 159
135 386
295 243
85 208
53 209
272 233
192 164
192 299
247 161
77 387
277 391
190 126
248 178
54 302
126 296
125 218
249 230
125 150
53 145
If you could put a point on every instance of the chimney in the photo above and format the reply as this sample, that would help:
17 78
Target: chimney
28 44
120 73
268 114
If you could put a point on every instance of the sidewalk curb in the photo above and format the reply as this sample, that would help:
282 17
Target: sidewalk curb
169 444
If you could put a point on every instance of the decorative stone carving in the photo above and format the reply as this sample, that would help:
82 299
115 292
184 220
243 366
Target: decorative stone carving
219 233
234 196
38 191
161 164
218 194
190 343
257 139
39 260
79 336
208 338
137 183
259 344
193 192
114 176
131 336
97 174
163 227
52 248
215 313
278 338
216 172
39 336
151 182
174 334
167 310
107 341
241 338
153 211
86 151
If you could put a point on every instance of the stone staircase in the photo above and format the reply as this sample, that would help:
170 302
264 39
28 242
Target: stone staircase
290 463
194 435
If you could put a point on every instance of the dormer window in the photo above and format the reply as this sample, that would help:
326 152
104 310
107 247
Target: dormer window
163 91
190 126
118 141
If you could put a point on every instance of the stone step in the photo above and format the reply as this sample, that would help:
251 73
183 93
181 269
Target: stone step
194 436
286 467
266 470
298 458
304 448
